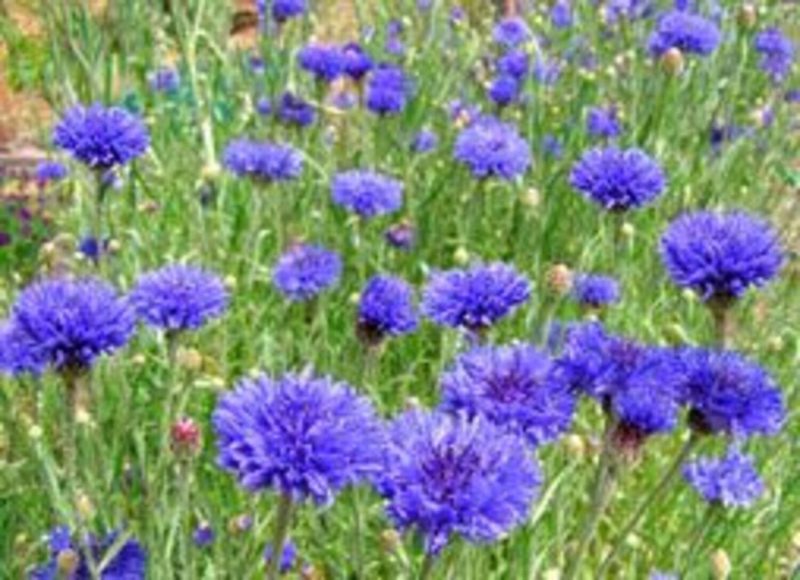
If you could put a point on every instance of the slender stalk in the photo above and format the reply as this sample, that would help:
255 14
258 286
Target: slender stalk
655 494
603 490
723 322
427 566
699 535
283 521
73 383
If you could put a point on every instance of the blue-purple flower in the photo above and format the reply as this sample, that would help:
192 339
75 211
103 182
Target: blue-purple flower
325 62
504 90
203 535
16 355
730 481
357 63
263 161
603 122
386 308
618 179
282 10
68 324
777 53
561 14
165 80
304 437
450 475
125 561
726 393
402 235
424 141
686 31
179 297
388 89
514 63
511 31
49 171
721 255
101 137
288 557
294 110
305 270
516 387
476 298
491 148
594 290
367 193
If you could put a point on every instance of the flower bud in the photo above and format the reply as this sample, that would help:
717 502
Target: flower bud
185 437
559 279
531 197
576 446
672 61
84 506
240 524
67 562
748 15
720 565
390 540
461 255
628 230
189 359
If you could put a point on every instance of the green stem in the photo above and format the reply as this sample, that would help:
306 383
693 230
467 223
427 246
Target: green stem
283 520
427 566
603 489
655 494
699 535
723 322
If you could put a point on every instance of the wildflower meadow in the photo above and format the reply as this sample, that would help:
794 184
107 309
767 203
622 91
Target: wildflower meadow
377 289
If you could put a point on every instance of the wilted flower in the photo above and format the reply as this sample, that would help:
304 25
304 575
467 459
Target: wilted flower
401 235
446 475
306 270
617 179
203 535
720 255
185 437
516 387
305 437
101 137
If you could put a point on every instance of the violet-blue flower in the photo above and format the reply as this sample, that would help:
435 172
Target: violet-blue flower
386 308
179 297
357 63
726 393
594 290
388 89
282 10
504 90
516 387
424 141
491 148
515 63
367 193
686 31
561 14
69 324
721 255
446 475
288 557
294 110
17 357
306 270
305 437
101 137
603 122
731 480
164 80
511 31
263 161
325 62
618 179
49 171
777 53
476 298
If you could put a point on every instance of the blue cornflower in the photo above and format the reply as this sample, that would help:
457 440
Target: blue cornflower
594 290
729 481
515 63
262 161
388 89
424 141
447 475
125 562
777 53
16 355
720 255
68 324
305 437
603 122
165 80
491 148
288 557
47 171
325 62
617 179
474 299
306 270
511 31
179 297
561 14
504 90
402 235
357 63
93 248
688 32
294 110
282 10
516 387
100 137
367 193
726 393
628 10
203 535
386 308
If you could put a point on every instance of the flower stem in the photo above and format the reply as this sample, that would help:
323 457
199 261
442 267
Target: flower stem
283 521
699 535
654 495
427 566
603 489
723 323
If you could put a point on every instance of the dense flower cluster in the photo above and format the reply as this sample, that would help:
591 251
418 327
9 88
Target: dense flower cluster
179 297
367 193
263 161
302 436
446 475
516 387
474 299
720 255
617 179
491 148
101 137
306 270
731 480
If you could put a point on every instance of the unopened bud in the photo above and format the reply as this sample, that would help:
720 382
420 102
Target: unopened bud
240 524
531 197
748 15
390 540
559 278
412 404
67 562
84 506
189 359
230 282
185 437
461 255
576 445
720 565
211 171
672 61
628 230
